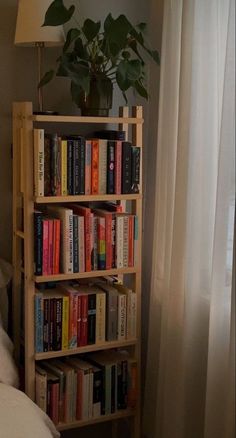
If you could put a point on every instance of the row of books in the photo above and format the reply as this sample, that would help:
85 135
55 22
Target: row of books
75 315
74 165
81 239
73 389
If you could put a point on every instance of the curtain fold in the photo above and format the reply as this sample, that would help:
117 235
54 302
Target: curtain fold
190 299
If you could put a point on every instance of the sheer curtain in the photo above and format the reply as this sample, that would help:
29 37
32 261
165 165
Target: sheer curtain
190 365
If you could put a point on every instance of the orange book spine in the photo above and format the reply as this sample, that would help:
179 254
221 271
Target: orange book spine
94 167
50 246
131 242
56 246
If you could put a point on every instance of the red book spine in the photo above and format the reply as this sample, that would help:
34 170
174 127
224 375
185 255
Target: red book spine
54 401
50 246
84 320
108 241
118 167
56 246
79 321
79 394
131 242
73 316
45 247
94 167
87 232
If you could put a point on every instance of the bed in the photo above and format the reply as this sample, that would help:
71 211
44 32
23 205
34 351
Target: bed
19 416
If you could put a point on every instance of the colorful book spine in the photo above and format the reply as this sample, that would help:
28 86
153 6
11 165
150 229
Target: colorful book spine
131 241
64 190
70 166
55 166
56 245
136 233
46 321
47 166
45 258
135 172
100 317
75 166
81 244
88 167
126 167
102 183
118 167
52 323
75 244
113 240
81 166
121 318
126 242
101 243
38 247
39 162
57 344
50 246
95 243
79 321
95 167
119 241
84 320
39 322
91 318
73 318
65 323
110 167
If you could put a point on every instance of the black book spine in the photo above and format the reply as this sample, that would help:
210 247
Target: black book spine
126 167
52 324
75 167
75 245
97 386
70 166
110 167
103 390
124 384
91 318
47 165
119 386
113 389
55 172
82 166
38 243
46 317
135 180
57 344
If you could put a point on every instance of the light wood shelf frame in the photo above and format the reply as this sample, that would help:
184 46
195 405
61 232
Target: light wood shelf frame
23 241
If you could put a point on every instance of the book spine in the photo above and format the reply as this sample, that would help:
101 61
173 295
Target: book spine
70 166
45 247
110 167
90 397
75 244
100 317
65 323
95 167
133 328
97 393
113 388
38 323
119 241
108 230
64 190
85 395
52 323
56 245
88 241
102 184
41 391
113 240
70 245
82 166
95 243
46 319
131 241
88 167
126 167
81 244
79 394
126 242
58 324
91 318
39 162
84 320
79 321
47 166
55 167
50 247
75 167
73 317
108 384
136 232
135 173
124 384
103 391
101 243
54 403
132 384
118 167
38 243
111 316
121 323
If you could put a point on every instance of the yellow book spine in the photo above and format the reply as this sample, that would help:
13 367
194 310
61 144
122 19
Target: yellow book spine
65 323
64 189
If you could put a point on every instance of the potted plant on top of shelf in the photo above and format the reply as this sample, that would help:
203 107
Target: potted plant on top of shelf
95 57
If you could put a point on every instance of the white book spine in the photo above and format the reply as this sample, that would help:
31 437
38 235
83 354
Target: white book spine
81 244
119 241
41 391
102 181
100 317
126 243
121 323
39 162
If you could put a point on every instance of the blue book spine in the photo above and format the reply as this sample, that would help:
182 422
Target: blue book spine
39 323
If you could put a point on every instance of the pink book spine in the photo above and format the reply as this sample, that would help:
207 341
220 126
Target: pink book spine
88 167
45 247
118 169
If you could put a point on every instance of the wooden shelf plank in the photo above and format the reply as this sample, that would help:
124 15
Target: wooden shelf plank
85 198
118 415
87 349
80 119
91 274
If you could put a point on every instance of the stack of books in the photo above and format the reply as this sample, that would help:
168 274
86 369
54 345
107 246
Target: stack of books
73 389
73 165
75 315
80 239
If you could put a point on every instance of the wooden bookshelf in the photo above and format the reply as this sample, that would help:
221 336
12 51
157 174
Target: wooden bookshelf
24 205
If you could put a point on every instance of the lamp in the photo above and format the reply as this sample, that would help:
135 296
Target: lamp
29 32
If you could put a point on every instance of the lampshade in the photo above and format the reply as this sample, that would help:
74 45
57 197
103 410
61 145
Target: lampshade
29 28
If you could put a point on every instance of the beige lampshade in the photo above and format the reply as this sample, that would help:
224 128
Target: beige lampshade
29 28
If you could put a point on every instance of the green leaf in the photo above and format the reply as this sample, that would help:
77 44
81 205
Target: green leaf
126 54
140 89
58 14
142 26
125 97
155 55
133 45
91 29
80 75
46 78
64 61
80 49
108 23
72 34
127 73
116 34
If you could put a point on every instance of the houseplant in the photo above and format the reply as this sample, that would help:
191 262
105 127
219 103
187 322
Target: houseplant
95 57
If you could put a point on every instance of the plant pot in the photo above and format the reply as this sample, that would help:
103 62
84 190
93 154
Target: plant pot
99 100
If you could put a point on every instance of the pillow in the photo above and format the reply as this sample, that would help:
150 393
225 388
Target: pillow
8 372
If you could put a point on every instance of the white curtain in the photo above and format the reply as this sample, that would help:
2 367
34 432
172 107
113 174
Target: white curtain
190 362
